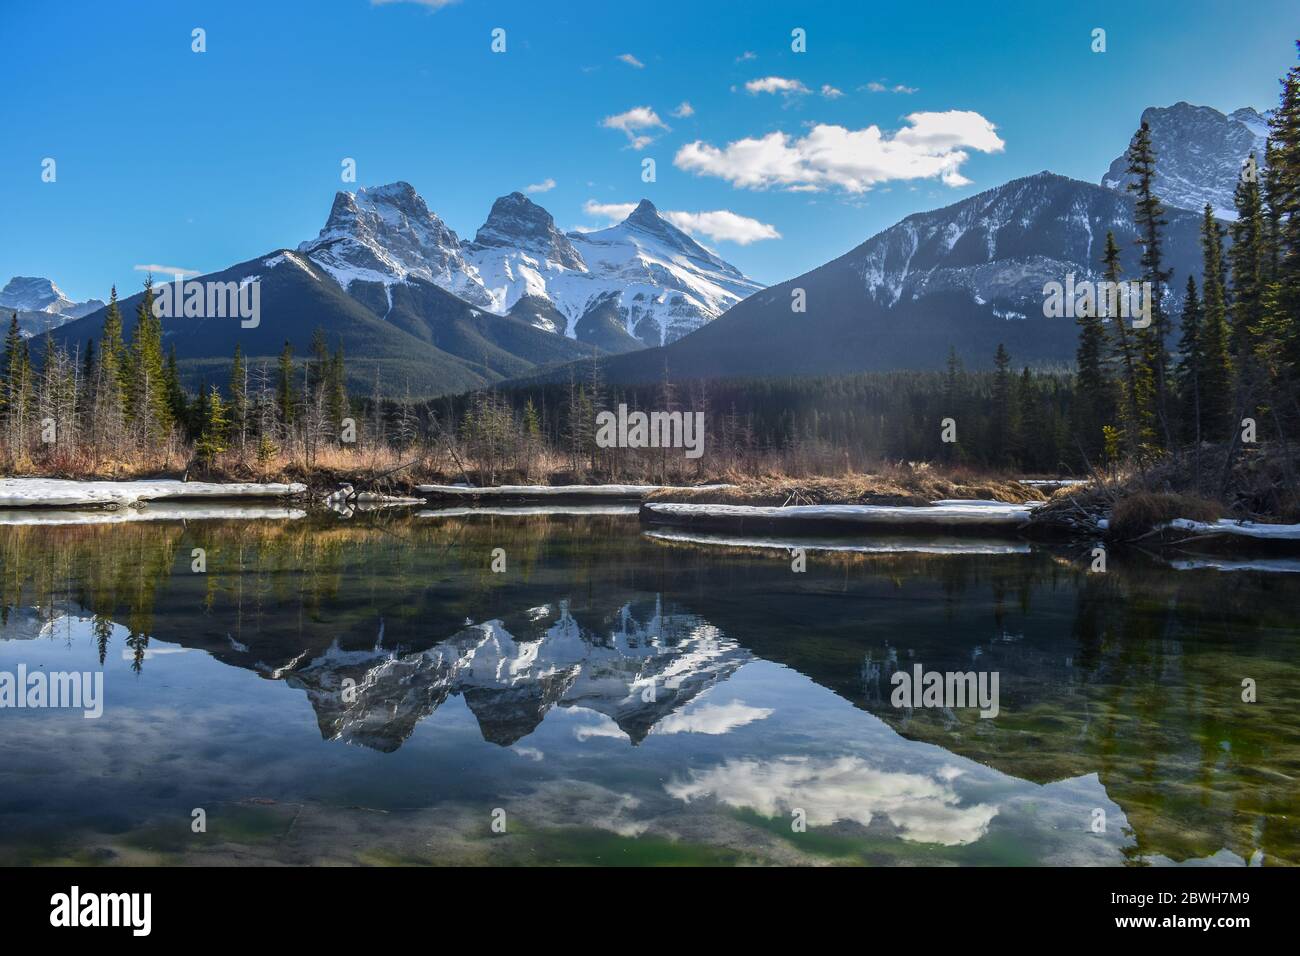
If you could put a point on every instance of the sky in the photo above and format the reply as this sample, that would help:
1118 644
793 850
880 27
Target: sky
776 159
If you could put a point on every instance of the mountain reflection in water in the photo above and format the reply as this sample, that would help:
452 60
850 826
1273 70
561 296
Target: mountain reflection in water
681 696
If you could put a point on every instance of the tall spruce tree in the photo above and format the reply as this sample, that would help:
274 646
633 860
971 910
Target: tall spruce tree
1215 372
1191 364
1094 392
1153 354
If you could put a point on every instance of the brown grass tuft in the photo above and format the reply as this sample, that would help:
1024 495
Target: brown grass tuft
1136 514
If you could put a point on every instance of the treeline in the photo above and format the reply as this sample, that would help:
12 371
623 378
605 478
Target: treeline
1233 377
1000 420
117 403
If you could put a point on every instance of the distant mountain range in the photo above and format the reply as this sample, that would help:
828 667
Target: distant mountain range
1199 154
40 305
967 276
428 313
641 282
424 313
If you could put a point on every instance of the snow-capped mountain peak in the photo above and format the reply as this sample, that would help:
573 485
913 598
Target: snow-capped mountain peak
519 223
640 282
387 233
1199 154
41 305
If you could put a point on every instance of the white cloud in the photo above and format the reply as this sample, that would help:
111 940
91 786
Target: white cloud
635 119
545 186
166 270
830 92
875 87
613 211
712 719
684 110
776 84
431 4
934 146
747 55
630 60
926 809
723 225
720 225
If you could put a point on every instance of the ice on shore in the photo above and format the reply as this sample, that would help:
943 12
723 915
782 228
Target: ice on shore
1246 529
947 512
163 511
66 493
918 545
518 510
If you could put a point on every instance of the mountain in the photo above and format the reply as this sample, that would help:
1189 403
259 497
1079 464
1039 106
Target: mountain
967 276
1199 154
510 682
641 282
387 235
41 305
408 337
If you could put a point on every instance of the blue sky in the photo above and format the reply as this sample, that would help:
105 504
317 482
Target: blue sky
201 160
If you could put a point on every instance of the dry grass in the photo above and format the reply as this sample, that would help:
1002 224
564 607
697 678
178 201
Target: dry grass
907 484
1136 514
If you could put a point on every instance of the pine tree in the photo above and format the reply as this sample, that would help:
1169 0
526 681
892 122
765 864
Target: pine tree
1277 330
1247 257
284 391
1153 352
216 425
1094 393
239 397
1124 358
1191 364
1215 371
175 394
115 383
148 407
1003 438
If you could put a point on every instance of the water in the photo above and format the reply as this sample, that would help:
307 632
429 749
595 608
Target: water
620 698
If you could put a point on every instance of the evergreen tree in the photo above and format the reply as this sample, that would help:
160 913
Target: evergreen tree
148 407
1277 331
1002 445
1247 257
1153 352
1129 378
1215 371
239 397
284 391
1191 364
175 394
1094 393
114 384
213 439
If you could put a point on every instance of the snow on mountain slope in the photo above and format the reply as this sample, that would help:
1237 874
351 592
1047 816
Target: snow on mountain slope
387 233
1000 246
666 283
1199 153
510 682
41 305
641 282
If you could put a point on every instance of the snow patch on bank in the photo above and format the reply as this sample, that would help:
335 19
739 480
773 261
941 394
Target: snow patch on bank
945 512
935 545
66 493
1246 529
